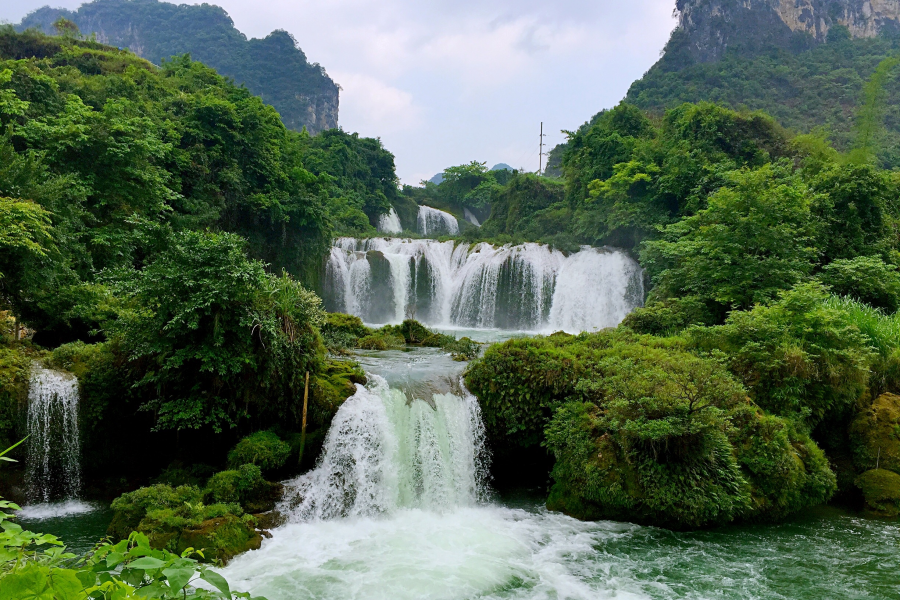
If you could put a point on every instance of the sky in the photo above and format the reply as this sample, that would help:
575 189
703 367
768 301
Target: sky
445 82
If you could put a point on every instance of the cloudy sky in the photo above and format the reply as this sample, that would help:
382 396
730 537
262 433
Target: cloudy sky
444 83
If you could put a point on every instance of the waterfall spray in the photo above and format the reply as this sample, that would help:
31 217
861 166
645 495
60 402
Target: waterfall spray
53 469
390 223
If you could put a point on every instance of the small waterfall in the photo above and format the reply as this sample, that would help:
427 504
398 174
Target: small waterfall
470 217
385 451
53 469
526 287
390 223
432 221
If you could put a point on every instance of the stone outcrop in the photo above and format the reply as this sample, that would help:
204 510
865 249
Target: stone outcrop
709 27
274 67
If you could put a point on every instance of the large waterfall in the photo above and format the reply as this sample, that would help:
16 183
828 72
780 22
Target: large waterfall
527 287
386 451
53 464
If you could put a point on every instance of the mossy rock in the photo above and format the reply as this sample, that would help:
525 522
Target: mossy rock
15 369
881 490
875 435
221 538
381 341
262 448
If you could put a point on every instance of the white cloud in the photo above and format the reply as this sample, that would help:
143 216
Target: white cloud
375 107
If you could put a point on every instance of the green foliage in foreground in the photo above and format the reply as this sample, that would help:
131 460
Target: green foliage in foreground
37 566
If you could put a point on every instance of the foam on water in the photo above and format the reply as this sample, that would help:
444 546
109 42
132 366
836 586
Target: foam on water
396 510
55 510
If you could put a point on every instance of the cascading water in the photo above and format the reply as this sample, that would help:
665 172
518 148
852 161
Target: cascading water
53 464
390 223
386 451
527 287
432 221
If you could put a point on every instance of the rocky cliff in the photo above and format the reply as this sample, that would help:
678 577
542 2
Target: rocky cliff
707 28
274 67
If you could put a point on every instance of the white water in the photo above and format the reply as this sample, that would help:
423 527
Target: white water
432 221
390 223
471 218
385 452
526 287
53 464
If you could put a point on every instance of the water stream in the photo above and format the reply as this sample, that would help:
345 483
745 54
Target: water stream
398 509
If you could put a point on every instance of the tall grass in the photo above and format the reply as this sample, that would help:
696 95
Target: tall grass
884 332
882 329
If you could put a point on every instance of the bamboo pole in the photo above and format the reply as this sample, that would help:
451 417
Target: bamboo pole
303 430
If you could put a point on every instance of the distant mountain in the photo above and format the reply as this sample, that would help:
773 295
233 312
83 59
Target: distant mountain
502 167
805 62
274 67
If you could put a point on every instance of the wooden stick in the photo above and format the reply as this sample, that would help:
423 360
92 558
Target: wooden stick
303 430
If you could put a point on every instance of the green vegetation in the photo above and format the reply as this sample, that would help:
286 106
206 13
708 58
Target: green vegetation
273 68
38 566
814 86
263 449
343 332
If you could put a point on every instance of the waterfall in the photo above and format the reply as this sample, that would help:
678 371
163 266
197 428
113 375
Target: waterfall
386 451
526 287
432 221
470 217
390 223
53 469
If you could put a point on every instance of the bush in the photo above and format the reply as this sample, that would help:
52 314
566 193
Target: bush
669 316
381 341
865 278
263 449
340 332
15 369
800 357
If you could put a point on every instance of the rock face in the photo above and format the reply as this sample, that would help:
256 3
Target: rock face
710 27
274 67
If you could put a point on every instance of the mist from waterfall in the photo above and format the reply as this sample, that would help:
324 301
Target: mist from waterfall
53 464
528 287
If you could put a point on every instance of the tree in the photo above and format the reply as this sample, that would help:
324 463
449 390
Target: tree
219 339
752 241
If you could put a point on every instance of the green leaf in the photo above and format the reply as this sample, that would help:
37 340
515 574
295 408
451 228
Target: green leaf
114 558
178 578
216 580
35 582
146 563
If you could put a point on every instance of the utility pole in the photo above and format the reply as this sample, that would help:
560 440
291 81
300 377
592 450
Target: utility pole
541 151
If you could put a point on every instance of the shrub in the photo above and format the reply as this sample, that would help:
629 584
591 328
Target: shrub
668 317
234 485
340 332
865 278
799 357
381 341
263 449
